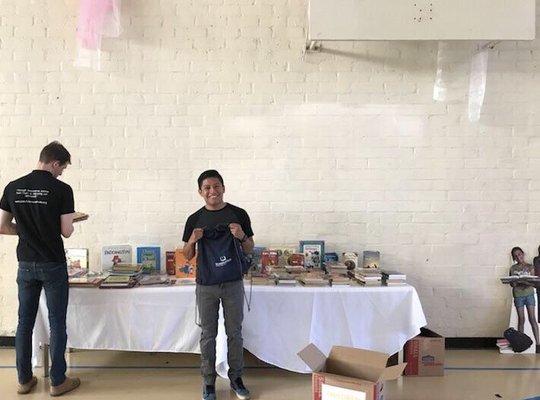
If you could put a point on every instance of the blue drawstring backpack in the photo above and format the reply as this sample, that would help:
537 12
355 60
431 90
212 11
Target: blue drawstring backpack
220 257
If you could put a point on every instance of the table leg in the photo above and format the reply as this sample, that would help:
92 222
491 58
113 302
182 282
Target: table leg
45 348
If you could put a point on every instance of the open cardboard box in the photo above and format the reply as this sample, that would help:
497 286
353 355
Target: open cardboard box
349 373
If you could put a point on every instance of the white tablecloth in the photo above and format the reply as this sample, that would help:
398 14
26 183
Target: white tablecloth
282 321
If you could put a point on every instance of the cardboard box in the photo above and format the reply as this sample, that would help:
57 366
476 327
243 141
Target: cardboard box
424 354
349 373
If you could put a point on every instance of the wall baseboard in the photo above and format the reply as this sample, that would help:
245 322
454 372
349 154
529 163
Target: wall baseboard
450 343
7 341
471 342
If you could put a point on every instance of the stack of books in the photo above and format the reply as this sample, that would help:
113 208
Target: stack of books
284 278
393 278
122 276
315 278
119 282
259 280
504 346
313 281
74 272
339 279
368 276
89 280
336 267
295 269
126 269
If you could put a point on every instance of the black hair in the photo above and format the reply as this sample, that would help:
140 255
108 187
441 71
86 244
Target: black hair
515 249
211 173
54 151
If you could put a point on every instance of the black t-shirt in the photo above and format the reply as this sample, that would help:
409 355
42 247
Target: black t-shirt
37 201
229 214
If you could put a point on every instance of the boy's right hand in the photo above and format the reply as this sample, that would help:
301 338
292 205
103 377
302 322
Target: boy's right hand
196 235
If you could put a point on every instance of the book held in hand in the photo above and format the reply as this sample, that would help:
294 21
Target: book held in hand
79 216
522 279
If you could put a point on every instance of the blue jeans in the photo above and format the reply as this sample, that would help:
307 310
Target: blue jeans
31 277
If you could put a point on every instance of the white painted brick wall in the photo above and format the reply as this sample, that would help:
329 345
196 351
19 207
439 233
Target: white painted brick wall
345 145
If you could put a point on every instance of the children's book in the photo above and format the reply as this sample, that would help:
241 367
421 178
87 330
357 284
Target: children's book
117 254
77 258
350 259
150 258
185 268
372 259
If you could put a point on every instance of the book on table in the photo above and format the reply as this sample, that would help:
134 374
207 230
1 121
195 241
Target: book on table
126 269
115 254
118 282
284 278
390 274
184 268
153 280
77 258
86 281
371 259
150 258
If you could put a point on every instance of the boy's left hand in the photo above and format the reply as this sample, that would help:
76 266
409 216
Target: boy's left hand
237 231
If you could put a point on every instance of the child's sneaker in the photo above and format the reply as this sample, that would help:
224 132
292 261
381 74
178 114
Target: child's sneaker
209 392
238 387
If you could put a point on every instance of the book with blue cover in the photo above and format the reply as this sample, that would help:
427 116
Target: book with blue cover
150 258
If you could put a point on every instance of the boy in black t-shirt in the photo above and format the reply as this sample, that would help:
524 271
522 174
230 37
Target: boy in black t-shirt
210 292
43 209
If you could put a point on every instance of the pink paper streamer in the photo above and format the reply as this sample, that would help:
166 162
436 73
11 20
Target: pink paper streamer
97 18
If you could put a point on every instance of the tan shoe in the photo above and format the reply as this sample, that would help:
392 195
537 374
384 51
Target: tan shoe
68 385
25 388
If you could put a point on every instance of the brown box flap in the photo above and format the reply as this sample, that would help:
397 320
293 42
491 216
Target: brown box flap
393 372
425 332
313 357
357 363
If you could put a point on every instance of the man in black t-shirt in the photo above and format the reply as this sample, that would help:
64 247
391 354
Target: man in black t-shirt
210 291
43 209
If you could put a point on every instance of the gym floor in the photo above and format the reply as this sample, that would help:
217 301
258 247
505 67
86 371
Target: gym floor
469 374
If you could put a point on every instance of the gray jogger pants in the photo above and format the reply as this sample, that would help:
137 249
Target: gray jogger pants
231 295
